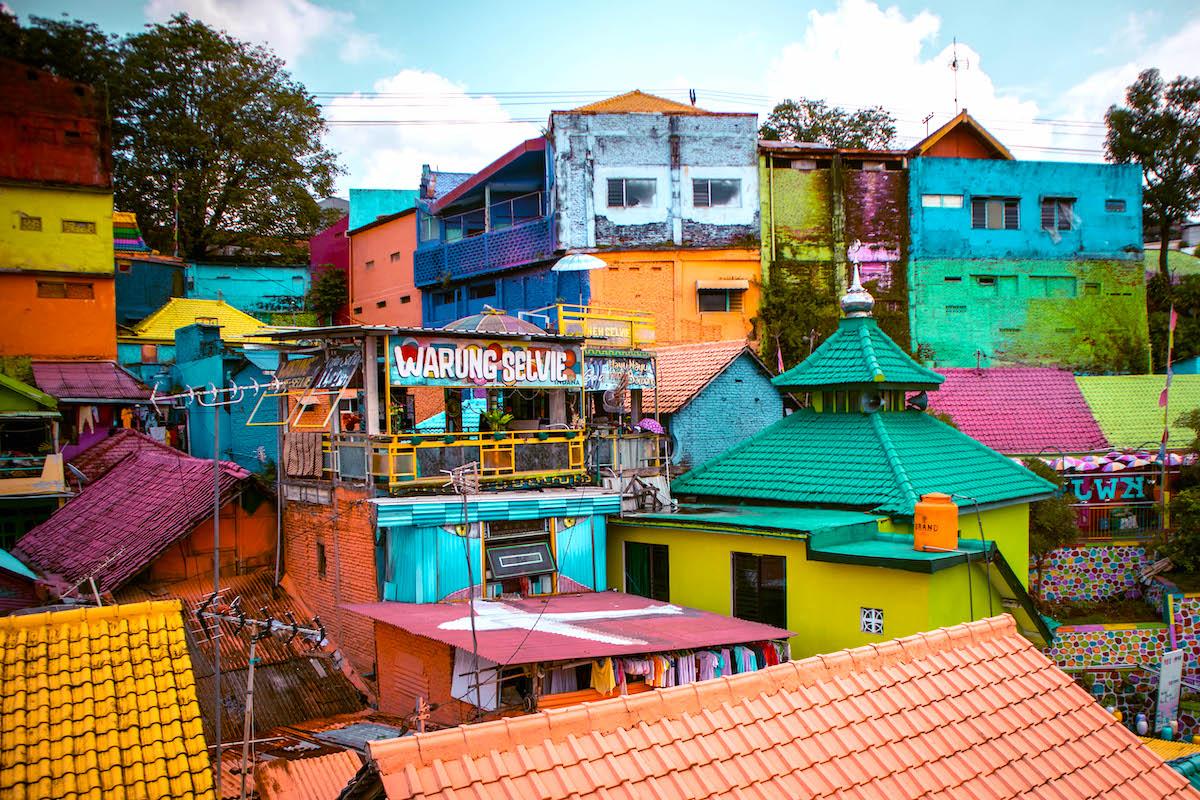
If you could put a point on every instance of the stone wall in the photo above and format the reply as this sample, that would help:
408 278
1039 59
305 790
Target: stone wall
1087 573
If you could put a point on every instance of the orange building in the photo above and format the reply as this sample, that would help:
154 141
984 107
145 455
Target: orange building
382 291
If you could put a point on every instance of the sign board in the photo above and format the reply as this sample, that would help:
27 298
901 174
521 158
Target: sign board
338 371
297 374
1170 678
603 373
485 363
614 329
1111 488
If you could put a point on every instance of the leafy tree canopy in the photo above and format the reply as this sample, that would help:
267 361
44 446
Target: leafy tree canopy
807 120
1159 129
208 131
328 294
1052 522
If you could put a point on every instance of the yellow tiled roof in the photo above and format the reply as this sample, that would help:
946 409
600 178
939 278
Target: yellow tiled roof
180 312
100 703
1169 751
637 102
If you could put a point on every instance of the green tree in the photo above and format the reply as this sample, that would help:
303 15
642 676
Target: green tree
1184 295
807 120
1159 129
796 312
208 131
328 294
1052 522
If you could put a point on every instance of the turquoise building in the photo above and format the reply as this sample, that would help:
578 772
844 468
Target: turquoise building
258 289
1025 261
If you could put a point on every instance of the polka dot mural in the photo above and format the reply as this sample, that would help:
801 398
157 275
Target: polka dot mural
1092 572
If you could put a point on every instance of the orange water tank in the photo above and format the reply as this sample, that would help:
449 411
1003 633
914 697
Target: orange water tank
935 523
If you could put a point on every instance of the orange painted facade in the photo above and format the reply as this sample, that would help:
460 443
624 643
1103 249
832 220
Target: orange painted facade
57 315
247 543
959 143
381 272
665 283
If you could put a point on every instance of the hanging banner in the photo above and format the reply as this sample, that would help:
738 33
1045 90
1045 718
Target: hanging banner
484 363
298 373
604 373
1170 679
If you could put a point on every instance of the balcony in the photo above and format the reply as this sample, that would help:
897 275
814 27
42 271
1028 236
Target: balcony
32 476
507 234
419 460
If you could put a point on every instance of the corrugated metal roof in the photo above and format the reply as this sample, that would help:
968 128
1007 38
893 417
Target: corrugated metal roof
567 627
316 778
88 380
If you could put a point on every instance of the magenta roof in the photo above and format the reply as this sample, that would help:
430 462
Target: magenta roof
97 460
1019 410
135 511
73 381
570 626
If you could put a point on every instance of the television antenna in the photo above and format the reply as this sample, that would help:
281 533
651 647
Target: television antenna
955 65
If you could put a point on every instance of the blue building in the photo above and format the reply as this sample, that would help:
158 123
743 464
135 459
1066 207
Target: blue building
258 289
714 396
144 279
1024 261
368 205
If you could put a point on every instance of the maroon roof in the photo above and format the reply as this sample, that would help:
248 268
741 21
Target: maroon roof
138 509
571 626
1019 410
72 381
105 454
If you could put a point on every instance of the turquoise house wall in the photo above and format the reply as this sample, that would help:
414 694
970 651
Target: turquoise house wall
581 552
424 564
1073 298
257 289
368 204
737 404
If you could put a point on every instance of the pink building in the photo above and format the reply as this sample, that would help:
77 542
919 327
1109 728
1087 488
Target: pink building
382 291
330 249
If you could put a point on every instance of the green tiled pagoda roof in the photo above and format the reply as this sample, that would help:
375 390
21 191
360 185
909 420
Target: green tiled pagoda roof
858 354
873 462
1126 406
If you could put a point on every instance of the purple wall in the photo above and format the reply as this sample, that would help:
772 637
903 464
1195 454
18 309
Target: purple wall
331 246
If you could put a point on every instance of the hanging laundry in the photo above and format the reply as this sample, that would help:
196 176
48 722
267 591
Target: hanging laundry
603 680
726 663
685 668
707 665
87 416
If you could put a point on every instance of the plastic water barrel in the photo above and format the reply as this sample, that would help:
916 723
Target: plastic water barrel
935 523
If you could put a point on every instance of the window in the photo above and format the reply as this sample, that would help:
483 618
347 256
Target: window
125 267
873 166
1057 213
395 257
321 559
1091 288
78 226
149 354
29 223
358 309
631 192
803 164
481 291
69 291
519 560
956 309
381 303
870 620
370 264
707 193
429 228
719 299
953 279
405 299
942 200
760 588
995 213
647 570
985 280
1114 206
442 299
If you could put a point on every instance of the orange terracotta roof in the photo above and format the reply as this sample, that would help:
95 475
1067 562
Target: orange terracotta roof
317 778
972 711
637 102
683 370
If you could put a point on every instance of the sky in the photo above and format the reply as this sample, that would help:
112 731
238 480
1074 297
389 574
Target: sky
456 84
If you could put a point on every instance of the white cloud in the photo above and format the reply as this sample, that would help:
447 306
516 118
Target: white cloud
289 27
863 55
443 127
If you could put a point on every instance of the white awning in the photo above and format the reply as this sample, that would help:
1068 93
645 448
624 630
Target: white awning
732 285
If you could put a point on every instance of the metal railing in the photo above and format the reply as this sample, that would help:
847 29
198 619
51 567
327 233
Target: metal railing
497 217
1107 521
21 466
420 459
622 452
617 327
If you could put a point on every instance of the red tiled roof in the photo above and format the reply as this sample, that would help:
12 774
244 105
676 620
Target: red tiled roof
972 711
105 454
138 509
1019 410
685 369
87 380
317 778
569 626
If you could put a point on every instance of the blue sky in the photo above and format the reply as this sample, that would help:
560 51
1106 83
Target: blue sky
1039 75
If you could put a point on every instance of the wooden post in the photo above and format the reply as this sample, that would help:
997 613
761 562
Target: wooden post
248 719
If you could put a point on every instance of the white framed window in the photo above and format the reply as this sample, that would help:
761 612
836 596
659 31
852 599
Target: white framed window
803 164
429 228
716 193
942 200
870 620
631 192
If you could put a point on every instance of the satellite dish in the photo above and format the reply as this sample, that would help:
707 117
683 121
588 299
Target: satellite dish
870 401
919 401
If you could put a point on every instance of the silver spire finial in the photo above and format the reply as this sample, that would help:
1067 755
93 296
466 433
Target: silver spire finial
857 301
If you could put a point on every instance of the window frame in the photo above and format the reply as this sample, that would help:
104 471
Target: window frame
624 183
657 558
707 193
734 301
1115 205
769 613
1007 203
1056 206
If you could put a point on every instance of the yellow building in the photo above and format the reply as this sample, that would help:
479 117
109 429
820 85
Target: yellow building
809 524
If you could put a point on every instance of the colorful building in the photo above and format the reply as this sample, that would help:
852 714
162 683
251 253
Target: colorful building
1128 411
1023 261
330 249
952 713
802 515
382 291
138 731
823 208
145 279
95 398
32 482
56 269
266 291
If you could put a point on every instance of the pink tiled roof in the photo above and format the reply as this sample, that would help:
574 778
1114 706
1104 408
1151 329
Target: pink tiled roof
105 454
683 370
1019 410
87 380
972 711
138 509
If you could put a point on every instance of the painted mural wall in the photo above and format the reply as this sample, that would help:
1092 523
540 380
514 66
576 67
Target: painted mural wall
995 276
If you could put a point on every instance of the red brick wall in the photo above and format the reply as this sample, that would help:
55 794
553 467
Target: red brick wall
349 572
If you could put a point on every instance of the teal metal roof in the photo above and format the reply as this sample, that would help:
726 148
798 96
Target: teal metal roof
10 563
879 462
494 506
858 354
784 520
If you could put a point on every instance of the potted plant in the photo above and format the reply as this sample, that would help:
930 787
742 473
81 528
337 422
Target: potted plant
497 420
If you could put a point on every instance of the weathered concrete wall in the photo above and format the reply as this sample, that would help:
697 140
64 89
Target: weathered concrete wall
671 149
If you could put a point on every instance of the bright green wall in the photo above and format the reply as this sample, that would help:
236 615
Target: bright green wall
1007 526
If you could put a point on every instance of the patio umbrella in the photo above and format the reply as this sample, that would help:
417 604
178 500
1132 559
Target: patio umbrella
650 425
1112 466
1138 462
578 262
1087 466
